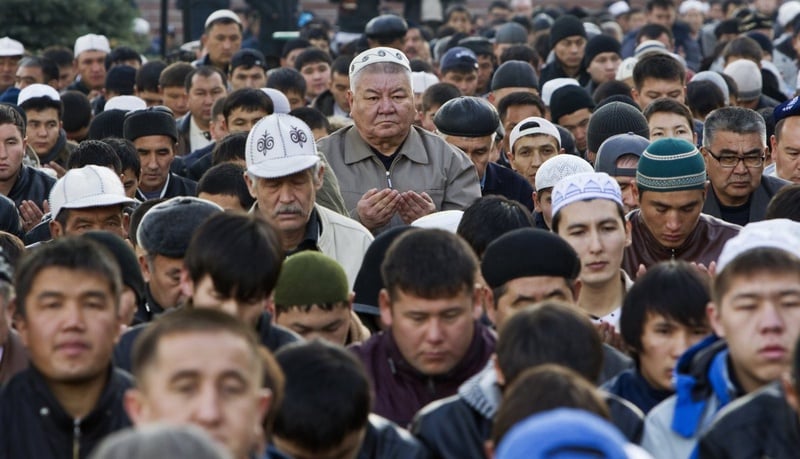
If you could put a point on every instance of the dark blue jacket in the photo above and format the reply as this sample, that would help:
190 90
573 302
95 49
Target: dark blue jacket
505 182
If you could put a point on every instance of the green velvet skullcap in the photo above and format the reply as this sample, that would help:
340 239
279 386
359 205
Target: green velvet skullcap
311 277
671 165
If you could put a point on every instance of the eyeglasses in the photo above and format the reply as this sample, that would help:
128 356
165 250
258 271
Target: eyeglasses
730 161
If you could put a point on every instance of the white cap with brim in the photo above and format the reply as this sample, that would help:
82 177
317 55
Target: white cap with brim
88 186
280 145
36 91
91 42
222 14
10 47
533 126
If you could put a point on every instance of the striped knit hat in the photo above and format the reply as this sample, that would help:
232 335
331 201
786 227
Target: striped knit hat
671 165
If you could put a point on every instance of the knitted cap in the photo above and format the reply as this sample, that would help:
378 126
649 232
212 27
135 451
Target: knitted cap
311 277
566 26
612 119
747 76
558 167
600 44
569 99
585 186
502 262
671 165
514 74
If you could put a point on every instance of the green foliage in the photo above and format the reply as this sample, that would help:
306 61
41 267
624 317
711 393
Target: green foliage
41 23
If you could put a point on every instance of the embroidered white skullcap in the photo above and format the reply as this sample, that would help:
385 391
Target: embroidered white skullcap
585 186
558 167
779 233
378 55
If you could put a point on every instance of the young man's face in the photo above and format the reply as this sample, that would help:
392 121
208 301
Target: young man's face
653 89
79 221
514 115
663 16
759 317
163 274
12 149
253 77
599 234
570 50
8 69
205 295
91 67
150 98
318 78
427 118
664 340
175 98
43 129
543 203
339 87
577 123
671 216
156 153
478 149
204 92
466 82
604 67
288 61
70 325
130 181
530 152
668 124
786 152
459 20
221 42
433 335
241 120
524 291
331 325
296 99
222 395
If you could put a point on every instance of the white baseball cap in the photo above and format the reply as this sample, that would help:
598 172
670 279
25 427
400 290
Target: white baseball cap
11 47
531 126
35 91
88 186
280 145
91 42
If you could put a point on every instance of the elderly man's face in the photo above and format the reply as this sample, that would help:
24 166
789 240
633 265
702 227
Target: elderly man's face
382 105
733 185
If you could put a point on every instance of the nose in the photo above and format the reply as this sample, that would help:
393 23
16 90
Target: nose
740 168
74 317
595 246
673 222
434 332
207 411
771 320
285 193
385 105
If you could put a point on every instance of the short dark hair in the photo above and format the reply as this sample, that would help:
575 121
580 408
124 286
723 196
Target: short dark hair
549 332
204 71
489 217
314 118
75 253
78 109
668 105
311 55
293 44
661 4
226 179
341 65
518 98
185 321
327 395
520 52
430 264
230 148
703 97
456 8
126 152
751 262
659 67
148 74
672 289
785 203
174 75
120 54
60 55
543 388
285 80
610 88
744 47
438 94
242 253
249 100
94 152
10 115
653 31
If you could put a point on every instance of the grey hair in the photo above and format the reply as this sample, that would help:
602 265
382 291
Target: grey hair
734 119
160 441
379 67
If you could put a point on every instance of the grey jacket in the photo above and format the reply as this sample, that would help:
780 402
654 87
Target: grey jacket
758 201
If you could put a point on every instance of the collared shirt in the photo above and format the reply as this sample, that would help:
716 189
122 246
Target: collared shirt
313 230
158 194
197 137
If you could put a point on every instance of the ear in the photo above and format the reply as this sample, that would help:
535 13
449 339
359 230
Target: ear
350 97
490 305
269 306
635 191
488 449
320 177
577 285
19 322
186 283
385 304
135 406
264 402
628 238
126 224
714 319
350 298
251 186
536 205
203 40
145 267
56 230
478 294
635 97
789 391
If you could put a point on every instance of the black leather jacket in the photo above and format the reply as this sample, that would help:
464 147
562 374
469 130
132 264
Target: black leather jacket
384 439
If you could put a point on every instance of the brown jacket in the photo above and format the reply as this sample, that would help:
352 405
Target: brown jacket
702 246
15 357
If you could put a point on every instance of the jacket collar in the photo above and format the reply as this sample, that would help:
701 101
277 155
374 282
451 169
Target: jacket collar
413 148
653 246
481 392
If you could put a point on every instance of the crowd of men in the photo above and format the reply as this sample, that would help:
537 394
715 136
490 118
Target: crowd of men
502 233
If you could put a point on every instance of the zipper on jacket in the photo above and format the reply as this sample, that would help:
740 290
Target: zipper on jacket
76 439
389 179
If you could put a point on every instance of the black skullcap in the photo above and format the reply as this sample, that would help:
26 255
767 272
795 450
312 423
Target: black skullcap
600 44
511 33
479 45
107 123
467 117
386 27
527 252
167 228
612 119
121 79
369 282
514 74
126 258
569 99
151 121
566 26
248 57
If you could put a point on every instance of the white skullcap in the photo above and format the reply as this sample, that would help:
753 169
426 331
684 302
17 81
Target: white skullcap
558 167
780 233
447 220
420 81
378 55
550 86
584 186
